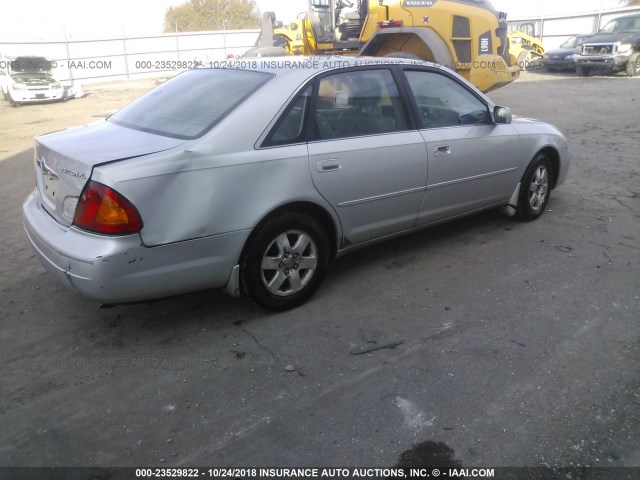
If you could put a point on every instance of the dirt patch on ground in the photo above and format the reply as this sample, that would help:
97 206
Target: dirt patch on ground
18 125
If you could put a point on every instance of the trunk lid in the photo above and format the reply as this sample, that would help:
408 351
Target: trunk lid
64 160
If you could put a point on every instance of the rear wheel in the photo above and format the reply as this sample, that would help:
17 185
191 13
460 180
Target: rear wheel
535 188
633 66
582 71
285 261
10 99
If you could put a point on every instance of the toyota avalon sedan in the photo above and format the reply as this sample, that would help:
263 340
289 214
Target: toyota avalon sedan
252 178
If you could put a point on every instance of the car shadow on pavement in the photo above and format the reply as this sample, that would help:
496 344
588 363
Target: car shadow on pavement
34 296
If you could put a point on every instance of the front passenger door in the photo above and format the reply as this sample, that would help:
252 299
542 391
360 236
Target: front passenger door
472 161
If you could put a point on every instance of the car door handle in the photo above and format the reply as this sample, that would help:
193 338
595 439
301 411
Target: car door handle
442 150
328 165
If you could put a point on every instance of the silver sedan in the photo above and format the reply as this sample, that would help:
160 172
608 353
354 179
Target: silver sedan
253 178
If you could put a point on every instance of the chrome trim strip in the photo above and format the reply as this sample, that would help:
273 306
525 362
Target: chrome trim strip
476 177
381 197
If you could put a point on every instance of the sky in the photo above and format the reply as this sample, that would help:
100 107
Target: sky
84 19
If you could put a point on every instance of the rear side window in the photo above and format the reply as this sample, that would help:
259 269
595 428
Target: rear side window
364 102
191 103
291 126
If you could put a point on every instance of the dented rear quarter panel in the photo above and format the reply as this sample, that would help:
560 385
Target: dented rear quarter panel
221 182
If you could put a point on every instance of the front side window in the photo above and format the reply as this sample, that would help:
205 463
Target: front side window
191 103
363 102
442 102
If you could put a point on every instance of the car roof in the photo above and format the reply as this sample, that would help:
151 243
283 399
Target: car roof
282 66
633 15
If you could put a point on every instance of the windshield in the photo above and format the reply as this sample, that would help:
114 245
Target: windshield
624 24
190 104
571 43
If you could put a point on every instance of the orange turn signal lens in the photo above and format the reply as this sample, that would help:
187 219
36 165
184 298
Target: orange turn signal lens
103 210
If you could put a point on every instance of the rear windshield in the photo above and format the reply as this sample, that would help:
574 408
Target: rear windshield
191 103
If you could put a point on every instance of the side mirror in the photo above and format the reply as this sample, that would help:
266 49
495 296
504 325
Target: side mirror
502 115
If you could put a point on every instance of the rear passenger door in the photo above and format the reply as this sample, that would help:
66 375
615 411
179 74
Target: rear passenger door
365 159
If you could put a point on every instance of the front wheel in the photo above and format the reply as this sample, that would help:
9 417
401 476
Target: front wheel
10 99
535 188
582 71
285 261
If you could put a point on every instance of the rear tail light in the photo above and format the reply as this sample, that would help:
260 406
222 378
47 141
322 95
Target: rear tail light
103 210
390 24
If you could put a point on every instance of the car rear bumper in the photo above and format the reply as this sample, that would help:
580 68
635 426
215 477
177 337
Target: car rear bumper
121 269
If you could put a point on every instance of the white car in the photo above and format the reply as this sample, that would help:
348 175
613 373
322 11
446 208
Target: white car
29 79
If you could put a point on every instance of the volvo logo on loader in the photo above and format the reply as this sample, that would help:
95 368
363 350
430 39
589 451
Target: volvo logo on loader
418 3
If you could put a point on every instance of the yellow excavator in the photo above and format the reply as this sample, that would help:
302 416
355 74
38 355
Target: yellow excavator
468 36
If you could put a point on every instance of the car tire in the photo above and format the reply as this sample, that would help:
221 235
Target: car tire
285 261
535 188
582 71
633 65
10 100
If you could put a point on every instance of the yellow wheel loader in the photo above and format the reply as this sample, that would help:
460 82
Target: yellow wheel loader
468 36
291 37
